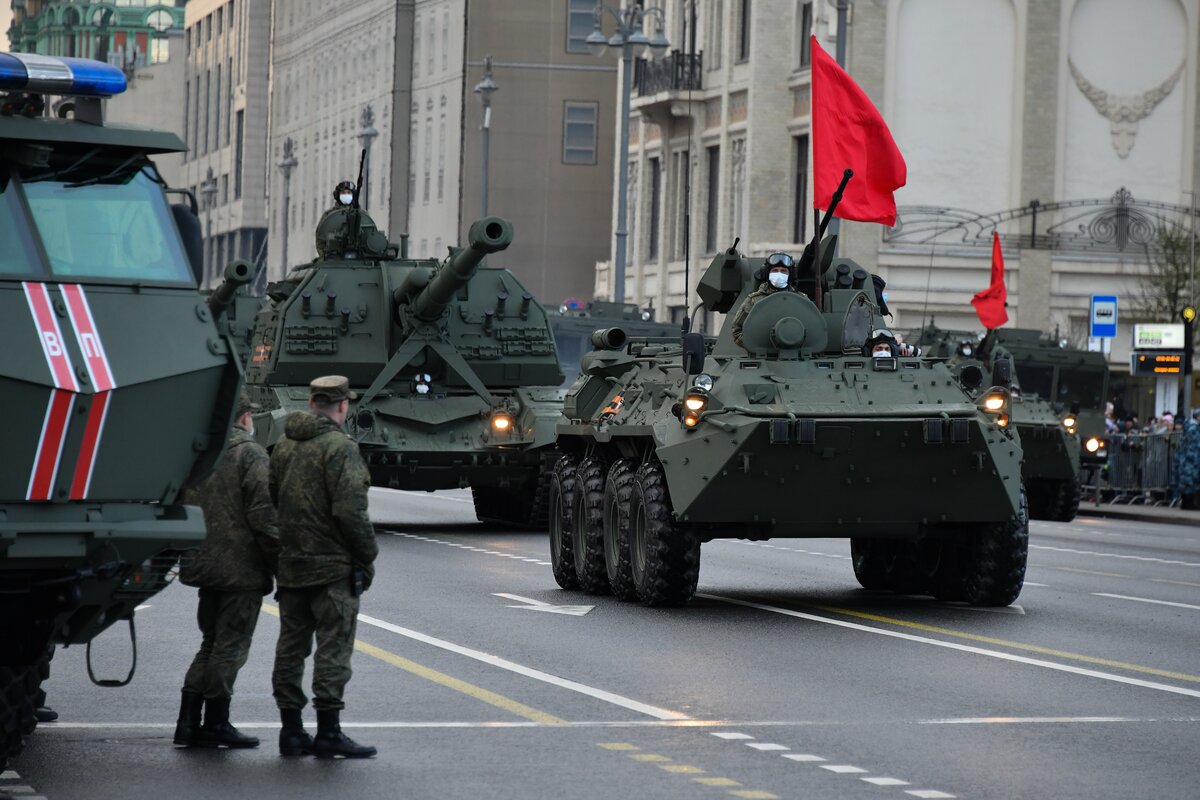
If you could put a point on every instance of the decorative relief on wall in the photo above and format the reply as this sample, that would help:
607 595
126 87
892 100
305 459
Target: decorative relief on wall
1122 111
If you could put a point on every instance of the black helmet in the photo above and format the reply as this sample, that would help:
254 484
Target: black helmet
344 186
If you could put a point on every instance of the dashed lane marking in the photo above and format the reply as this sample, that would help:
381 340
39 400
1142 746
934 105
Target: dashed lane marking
730 735
753 794
928 794
843 769
804 758
766 746
430 540
885 781
964 648
716 781
1146 600
667 765
680 769
648 757
1090 572
1122 556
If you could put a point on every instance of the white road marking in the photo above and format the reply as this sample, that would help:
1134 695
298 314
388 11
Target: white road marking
929 794
1114 555
730 735
142 607
430 495
843 769
528 672
804 757
18 789
9 775
550 608
964 648
766 746
513 556
885 781
788 549
1043 585
1014 609
1146 600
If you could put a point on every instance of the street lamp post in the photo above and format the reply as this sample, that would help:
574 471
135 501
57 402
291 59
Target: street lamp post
286 165
485 89
631 37
209 189
366 135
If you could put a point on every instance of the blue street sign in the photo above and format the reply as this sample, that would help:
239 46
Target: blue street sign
1104 316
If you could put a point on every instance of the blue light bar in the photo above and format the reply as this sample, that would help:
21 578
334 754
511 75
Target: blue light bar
38 74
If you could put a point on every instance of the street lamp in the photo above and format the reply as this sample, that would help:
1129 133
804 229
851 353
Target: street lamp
485 89
366 135
630 36
209 189
286 165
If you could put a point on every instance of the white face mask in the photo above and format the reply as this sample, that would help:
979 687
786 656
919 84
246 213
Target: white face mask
345 199
966 351
881 354
778 279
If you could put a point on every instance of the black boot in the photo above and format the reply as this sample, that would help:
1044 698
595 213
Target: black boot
293 739
330 742
45 714
187 727
217 730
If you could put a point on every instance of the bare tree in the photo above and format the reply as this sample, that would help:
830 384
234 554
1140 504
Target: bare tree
1164 288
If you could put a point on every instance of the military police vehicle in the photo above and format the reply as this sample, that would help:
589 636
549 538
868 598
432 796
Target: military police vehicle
118 386
454 362
818 426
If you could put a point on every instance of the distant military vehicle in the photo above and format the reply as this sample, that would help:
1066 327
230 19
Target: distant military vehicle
1049 433
573 328
454 363
118 387
814 428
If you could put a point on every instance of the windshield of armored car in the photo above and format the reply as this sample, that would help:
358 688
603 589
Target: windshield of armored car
101 228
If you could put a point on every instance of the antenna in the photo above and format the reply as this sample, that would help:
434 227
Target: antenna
686 327
929 272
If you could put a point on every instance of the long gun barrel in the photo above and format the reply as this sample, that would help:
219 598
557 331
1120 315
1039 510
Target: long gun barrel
488 235
237 275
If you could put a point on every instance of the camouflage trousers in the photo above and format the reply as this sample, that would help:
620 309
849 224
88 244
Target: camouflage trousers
330 613
227 621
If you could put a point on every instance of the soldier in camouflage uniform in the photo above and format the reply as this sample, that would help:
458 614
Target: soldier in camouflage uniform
319 481
233 570
776 277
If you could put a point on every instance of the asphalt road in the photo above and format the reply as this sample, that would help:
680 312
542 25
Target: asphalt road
476 677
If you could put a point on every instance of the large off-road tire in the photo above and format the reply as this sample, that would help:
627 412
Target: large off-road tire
665 557
19 687
618 487
587 540
537 510
870 563
940 560
1064 502
994 558
561 522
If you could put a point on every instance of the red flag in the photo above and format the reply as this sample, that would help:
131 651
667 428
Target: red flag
989 304
849 133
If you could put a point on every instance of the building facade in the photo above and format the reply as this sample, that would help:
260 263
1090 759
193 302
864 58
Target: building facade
225 126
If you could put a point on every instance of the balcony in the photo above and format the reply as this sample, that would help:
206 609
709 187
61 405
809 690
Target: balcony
678 72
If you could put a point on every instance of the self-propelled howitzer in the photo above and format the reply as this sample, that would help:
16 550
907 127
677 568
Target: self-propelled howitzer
453 362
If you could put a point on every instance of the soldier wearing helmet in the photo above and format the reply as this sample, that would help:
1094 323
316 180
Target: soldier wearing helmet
344 196
776 275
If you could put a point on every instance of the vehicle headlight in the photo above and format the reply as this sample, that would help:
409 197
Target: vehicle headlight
1002 420
1092 444
703 382
995 400
691 419
1069 423
695 401
502 421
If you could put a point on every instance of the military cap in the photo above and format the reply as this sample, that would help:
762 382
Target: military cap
244 404
331 389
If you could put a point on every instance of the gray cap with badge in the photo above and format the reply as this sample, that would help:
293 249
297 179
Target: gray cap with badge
331 389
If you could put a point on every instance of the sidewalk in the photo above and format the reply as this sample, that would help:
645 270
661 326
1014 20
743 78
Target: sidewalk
1141 513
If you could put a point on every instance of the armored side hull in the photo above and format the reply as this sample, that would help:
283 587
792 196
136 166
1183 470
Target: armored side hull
1051 467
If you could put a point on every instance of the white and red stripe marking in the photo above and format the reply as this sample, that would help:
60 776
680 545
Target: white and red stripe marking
53 346
50 445
90 447
88 337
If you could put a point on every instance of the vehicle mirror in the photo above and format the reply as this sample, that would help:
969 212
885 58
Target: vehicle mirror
1002 372
693 353
189 231
1075 409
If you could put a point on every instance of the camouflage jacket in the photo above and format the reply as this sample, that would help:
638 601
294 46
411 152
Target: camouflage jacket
739 319
319 482
241 549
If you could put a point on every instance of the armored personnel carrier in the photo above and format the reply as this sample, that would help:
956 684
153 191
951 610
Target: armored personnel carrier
573 328
118 386
454 363
814 428
1048 432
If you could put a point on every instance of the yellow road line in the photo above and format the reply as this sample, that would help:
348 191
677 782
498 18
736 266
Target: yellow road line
618 746
681 769
1031 648
716 781
754 794
442 679
1177 583
648 757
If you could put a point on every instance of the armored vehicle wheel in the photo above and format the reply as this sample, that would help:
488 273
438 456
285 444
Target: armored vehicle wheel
1064 502
562 491
870 566
19 686
994 560
941 563
617 490
587 538
665 558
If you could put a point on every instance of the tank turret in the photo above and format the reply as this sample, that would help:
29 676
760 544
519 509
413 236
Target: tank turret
486 236
237 275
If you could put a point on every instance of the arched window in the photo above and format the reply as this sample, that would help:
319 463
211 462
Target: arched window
160 20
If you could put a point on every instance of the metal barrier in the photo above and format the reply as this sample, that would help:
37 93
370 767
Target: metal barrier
1139 471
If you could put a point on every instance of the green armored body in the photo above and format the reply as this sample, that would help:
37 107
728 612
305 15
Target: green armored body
454 363
117 385
1048 431
818 426
573 328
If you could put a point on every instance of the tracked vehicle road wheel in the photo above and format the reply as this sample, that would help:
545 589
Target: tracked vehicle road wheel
665 558
994 560
19 687
587 538
618 487
1064 502
562 491
870 564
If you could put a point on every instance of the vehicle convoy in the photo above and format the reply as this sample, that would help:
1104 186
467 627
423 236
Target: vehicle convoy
1049 434
799 434
453 363
118 386
573 329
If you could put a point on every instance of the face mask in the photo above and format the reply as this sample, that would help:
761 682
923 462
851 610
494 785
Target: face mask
966 351
778 279
881 354
251 431
346 199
